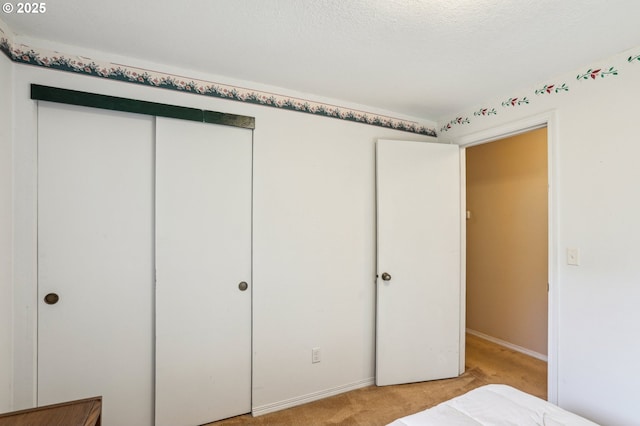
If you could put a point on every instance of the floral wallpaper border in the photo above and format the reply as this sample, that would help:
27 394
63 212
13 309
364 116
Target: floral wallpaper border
547 89
87 66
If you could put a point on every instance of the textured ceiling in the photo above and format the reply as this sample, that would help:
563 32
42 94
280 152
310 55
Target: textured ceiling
424 58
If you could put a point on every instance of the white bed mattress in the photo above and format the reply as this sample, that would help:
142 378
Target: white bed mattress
494 405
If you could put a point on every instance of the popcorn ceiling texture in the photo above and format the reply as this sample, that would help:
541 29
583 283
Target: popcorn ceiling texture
427 59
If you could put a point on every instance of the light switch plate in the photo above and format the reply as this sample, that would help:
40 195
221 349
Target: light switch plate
573 256
315 355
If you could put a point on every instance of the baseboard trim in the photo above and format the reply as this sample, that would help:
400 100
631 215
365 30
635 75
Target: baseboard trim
509 345
288 403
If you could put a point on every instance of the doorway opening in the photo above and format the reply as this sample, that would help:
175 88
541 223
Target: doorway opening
507 246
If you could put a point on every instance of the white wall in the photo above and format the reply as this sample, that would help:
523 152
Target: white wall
596 183
314 247
6 234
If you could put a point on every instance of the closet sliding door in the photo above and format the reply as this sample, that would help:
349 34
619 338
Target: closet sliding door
144 229
95 260
203 272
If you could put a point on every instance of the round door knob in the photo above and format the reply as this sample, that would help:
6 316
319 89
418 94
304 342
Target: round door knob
243 286
386 277
51 299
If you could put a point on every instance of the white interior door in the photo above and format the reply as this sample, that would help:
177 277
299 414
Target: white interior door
95 242
418 288
203 253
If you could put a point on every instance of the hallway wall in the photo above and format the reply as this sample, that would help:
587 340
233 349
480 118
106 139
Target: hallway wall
507 240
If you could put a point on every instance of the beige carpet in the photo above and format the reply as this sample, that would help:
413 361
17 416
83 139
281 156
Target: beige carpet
485 363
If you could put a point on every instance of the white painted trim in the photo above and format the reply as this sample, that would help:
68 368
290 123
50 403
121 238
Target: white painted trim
463 258
550 120
505 130
553 295
288 403
511 346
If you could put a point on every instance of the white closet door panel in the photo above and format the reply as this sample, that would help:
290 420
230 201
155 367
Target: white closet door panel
418 304
203 252
95 250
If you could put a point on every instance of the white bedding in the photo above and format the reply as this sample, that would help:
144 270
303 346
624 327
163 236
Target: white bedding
494 405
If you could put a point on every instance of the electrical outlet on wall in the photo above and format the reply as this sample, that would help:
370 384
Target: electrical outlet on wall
315 355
